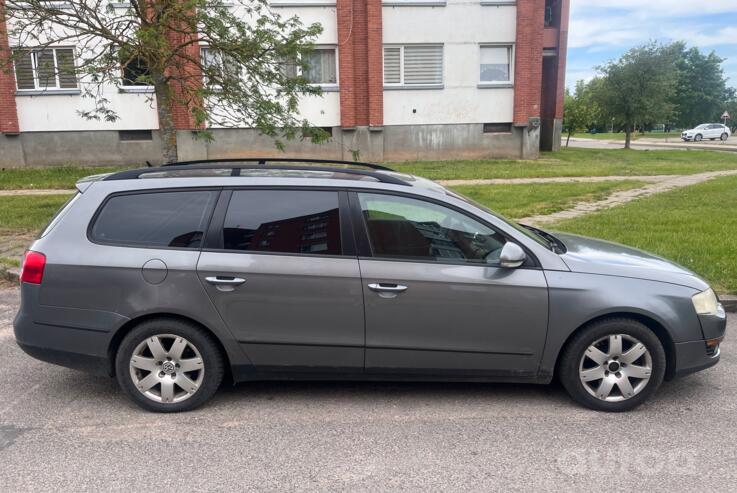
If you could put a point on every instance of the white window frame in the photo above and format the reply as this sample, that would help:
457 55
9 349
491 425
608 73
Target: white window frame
133 88
414 3
326 86
401 84
302 3
204 47
511 52
34 67
498 3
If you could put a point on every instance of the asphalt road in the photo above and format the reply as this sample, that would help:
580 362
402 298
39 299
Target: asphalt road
64 430
646 144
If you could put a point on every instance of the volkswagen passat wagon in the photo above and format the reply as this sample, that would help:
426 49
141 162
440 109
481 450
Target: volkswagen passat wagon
174 278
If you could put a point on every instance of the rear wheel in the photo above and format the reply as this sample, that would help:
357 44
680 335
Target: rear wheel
613 365
724 137
166 365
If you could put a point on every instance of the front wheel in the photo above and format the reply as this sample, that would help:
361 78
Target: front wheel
166 365
698 138
724 137
613 365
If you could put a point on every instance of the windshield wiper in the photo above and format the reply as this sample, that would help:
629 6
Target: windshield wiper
556 245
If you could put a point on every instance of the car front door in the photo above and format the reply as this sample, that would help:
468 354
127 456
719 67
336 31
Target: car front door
437 302
280 268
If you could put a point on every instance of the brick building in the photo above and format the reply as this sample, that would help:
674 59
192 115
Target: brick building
402 79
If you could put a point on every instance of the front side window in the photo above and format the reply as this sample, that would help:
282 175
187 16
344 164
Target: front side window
281 221
160 219
45 69
496 64
411 229
413 65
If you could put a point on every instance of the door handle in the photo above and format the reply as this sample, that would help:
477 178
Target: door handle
387 288
225 280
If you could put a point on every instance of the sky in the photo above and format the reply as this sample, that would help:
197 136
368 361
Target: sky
602 30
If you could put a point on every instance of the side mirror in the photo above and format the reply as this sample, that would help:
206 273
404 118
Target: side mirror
512 256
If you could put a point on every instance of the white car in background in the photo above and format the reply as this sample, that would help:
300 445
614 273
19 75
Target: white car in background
711 131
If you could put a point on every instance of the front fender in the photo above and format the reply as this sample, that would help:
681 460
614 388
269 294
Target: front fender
576 299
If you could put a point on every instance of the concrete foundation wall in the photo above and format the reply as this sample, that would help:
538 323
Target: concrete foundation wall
390 143
444 142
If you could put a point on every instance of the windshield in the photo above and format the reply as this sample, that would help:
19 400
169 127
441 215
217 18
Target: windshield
700 127
522 229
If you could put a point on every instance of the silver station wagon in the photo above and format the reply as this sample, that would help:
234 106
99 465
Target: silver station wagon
174 278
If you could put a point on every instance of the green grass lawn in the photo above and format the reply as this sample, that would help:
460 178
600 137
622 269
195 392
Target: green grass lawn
578 162
694 226
53 178
517 201
28 213
568 162
621 136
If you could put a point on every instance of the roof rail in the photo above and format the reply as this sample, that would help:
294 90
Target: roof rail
262 161
237 165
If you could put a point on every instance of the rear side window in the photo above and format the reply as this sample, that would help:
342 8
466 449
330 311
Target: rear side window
160 219
282 221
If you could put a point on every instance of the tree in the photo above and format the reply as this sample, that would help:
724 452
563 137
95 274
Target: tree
581 110
249 78
701 88
639 87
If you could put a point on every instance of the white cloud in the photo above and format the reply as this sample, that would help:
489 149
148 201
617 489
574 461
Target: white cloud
657 8
724 36
635 22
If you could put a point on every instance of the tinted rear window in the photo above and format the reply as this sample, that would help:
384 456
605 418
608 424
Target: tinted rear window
283 222
160 219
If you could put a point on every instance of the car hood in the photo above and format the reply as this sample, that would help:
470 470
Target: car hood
592 256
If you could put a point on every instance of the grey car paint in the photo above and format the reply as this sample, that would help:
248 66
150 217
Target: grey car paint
292 312
459 318
93 293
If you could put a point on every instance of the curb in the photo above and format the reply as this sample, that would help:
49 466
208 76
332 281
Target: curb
9 275
729 302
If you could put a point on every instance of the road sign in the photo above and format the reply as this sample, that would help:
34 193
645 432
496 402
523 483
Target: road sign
726 116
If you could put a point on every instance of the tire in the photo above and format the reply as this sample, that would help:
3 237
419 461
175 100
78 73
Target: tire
575 365
698 138
151 360
724 137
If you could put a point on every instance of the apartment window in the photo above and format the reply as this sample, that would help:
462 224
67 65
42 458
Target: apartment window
45 69
321 67
135 135
413 65
497 128
496 64
214 61
135 73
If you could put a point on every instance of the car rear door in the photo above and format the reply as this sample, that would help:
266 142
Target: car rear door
436 300
280 266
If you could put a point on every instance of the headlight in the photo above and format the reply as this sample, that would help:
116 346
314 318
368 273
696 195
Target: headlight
706 303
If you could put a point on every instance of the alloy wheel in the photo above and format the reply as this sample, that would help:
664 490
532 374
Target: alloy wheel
615 368
167 368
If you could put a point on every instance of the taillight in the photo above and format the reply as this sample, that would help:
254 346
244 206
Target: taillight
32 270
